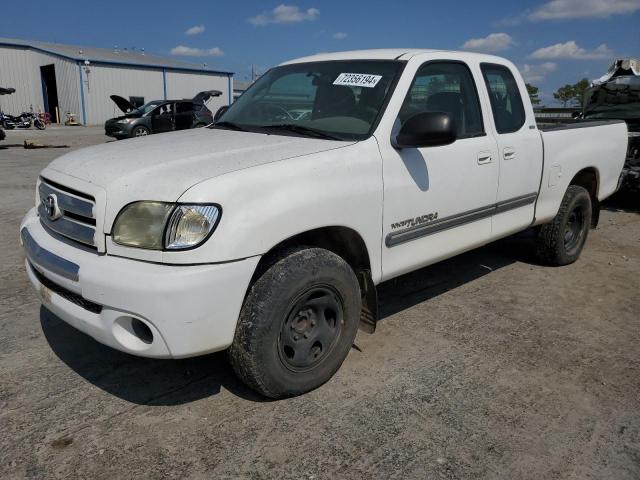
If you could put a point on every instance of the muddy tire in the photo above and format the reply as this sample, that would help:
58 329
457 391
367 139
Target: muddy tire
297 324
560 241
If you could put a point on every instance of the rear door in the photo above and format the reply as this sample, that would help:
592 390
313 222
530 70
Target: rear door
519 146
438 201
184 115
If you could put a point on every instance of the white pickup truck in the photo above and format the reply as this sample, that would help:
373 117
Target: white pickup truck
267 233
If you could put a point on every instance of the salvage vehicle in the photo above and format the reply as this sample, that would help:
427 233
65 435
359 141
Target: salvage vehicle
266 234
159 116
616 95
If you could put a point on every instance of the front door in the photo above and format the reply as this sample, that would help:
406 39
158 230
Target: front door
438 200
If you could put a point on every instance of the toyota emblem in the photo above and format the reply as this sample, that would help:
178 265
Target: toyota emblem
50 203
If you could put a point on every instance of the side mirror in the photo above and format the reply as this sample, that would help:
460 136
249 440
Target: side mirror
220 112
427 129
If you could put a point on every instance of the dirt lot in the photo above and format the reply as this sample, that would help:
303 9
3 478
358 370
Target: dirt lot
485 366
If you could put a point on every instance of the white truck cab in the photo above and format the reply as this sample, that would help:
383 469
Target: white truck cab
267 233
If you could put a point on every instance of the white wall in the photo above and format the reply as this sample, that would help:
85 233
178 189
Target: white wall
67 83
188 84
20 69
106 80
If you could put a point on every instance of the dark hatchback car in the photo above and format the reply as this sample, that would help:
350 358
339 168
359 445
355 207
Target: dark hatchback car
159 116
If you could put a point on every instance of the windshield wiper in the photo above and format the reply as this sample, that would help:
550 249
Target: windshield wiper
230 125
292 127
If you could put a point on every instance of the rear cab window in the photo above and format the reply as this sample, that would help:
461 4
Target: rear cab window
448 87
506 101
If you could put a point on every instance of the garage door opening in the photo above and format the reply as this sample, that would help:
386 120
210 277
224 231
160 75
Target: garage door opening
50 92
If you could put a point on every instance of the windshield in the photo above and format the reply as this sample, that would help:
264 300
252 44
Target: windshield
146 108
613 101
337 99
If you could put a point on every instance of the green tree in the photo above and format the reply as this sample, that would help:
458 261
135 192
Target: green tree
579 89
533 94
565 95
572 95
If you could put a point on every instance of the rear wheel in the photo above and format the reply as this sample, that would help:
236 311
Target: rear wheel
297 324
561 241
140 131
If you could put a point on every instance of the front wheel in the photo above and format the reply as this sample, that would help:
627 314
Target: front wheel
560 241
297 324
39 124
140 131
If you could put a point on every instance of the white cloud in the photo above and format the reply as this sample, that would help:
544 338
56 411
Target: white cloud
494 42
567 9
572 9
570 50
195 30
537 73
285 14
196 52
339 35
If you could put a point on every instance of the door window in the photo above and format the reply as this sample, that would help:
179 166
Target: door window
506 101
446 87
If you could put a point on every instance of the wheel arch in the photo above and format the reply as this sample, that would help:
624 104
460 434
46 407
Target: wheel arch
345 242
589 179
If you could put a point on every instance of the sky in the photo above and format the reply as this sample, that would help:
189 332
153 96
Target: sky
552 42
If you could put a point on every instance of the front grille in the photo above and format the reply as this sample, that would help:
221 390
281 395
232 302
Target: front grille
66 294
75 217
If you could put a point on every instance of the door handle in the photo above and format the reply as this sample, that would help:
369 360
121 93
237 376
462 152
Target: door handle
509 153
484 158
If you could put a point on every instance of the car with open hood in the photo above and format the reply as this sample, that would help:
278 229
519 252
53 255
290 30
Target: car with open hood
159 116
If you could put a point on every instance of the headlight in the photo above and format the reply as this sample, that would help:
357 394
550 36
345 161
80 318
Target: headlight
190 225
125 120
159 225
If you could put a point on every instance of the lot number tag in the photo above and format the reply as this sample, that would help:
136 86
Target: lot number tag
357 80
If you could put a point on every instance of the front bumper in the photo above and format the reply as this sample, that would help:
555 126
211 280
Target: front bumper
189 310
117 130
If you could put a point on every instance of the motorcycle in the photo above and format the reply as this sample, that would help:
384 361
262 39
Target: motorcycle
5 91
24 120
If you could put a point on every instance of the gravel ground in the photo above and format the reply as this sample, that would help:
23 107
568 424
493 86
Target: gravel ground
485 366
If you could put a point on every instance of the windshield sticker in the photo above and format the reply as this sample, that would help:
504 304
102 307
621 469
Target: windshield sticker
357 80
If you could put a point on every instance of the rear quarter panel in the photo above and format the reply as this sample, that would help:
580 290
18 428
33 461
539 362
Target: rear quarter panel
568 151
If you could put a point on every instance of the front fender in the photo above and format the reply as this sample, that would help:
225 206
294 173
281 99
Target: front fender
265 205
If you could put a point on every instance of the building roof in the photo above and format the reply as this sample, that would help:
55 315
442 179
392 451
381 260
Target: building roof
114 56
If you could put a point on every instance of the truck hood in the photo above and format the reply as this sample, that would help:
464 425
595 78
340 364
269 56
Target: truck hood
162 167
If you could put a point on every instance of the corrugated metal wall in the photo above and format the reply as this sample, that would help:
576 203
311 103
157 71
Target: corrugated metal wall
67 83
106 80
20 69
187 84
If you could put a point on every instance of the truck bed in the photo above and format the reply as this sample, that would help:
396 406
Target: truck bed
550 127
597 146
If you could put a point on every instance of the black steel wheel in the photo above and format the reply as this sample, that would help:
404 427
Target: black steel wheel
574 229
311 329
297 323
